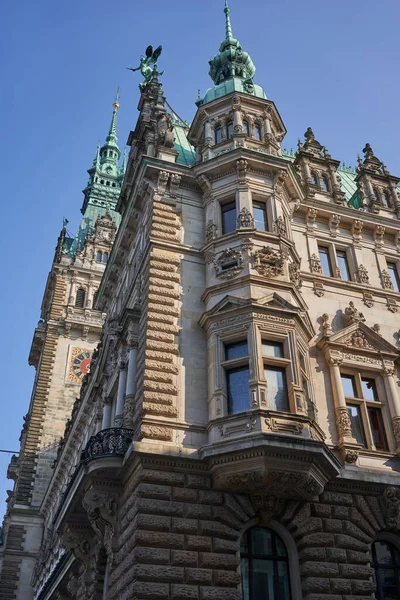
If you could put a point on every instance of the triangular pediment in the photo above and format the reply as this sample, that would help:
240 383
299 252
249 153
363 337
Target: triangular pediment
361 337
228 303
274 300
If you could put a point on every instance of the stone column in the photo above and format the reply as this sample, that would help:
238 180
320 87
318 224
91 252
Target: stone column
208 133
132 370
343 422
123 374
107 410
74 283
257 382
394 403
237 121
267 125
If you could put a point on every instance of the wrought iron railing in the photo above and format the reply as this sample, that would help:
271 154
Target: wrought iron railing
109 442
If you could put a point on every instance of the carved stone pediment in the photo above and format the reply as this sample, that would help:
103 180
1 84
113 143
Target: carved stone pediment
228 303
359 336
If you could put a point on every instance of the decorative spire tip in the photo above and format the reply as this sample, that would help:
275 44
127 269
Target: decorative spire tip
116 101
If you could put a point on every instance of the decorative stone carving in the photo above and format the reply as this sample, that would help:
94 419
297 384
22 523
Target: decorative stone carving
386 280
377 328
343 422
280 226
269 506
368 299
315 264
211 231
391 508
396 430
247 245
353 315
228 264
318 289
379 234
351 456
391 304
312 214
241 167
174 184
79 543
334 223
268 262
101 507
245 481
362 275
359 340
245 218
326 326
163 177
294 274
356 229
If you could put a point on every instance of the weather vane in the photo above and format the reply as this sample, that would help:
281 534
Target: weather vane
145 65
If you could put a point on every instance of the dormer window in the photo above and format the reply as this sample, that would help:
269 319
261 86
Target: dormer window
314 179
229 129
257 132
245 127
218 134
325 183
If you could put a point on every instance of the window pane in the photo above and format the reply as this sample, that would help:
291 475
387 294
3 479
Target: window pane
314 179
244 569
228 217
257 132
386 200
369 389
377 430
260 216
280 547
356 424
283 581
387 584
394 276
245 127
383 554
325 261
261 541
272 349
229 129
349 386
343 265
263 580
324 183
276 389
238 390
218 135
98 257
236 350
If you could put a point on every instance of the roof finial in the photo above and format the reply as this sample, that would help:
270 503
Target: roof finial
97 157
116 101
227 12
112 133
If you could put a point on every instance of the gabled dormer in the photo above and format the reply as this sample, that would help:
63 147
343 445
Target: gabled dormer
318 170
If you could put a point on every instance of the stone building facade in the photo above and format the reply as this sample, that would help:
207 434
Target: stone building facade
238 434
63 342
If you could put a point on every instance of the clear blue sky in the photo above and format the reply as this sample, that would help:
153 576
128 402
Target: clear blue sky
329 65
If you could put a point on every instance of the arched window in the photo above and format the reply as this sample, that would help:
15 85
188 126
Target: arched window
264 565
257 131
377 195
229 129
105 257
386 199
245 128
99 256
80 298
314 179
386 565
218 134
325 183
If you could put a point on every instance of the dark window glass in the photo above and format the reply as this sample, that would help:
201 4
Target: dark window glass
272 349
387 200
99 256
394 276
228 217
257 132
343 264
314 179
349 386
356 423
325 261
80 298
218 135
236 350
238 389
377 194
245 127
325 183
377 430
276 389
369 389
229 129
386 565
260 215
264 566
105 257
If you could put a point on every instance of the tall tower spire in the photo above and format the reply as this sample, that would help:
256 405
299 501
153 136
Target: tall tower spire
112 132
227 12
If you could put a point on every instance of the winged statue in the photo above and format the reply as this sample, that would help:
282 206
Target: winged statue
148 64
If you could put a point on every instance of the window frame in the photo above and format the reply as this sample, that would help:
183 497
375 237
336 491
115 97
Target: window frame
218 129
386 538
277 362
83 304
387 199
364 405
332 253
232 365
261 206
393 265
325 183
257 127
224 209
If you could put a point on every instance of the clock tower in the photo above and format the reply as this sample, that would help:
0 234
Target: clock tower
63 343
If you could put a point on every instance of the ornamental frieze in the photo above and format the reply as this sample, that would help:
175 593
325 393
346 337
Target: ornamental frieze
228 264
268 262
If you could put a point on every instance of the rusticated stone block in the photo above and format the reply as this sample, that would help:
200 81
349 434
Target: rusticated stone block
197 511
156 556
303 514
319 569
221 545
348 542
160 539
226 578
173 509
312 554
216 529
184 592
234 507
212 593
323 597
321 510
317 539
198 481
362 587
199 576
153 591
361 522
356 532
309 526
158 492
184 495
340 512
316 584
340 586
333 525
355 571
185 525
337 498
153 522
160 573
357 557
210 497
220 513
198 542
184 558
336 555
217 561
352 597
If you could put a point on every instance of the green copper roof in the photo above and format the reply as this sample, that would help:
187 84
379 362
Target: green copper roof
187 154
235 84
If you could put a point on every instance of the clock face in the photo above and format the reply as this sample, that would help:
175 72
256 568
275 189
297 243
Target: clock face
80 363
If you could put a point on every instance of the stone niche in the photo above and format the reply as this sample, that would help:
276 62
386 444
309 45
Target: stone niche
285 466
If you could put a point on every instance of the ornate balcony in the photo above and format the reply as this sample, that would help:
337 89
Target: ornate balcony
109 442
